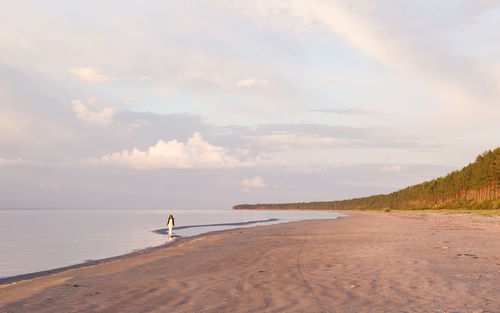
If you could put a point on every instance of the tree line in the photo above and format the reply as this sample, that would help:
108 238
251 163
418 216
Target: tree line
476 186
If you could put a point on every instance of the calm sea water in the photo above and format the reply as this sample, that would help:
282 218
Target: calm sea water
36 240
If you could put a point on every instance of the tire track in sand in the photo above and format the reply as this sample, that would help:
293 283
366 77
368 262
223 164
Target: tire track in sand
243 289
307 281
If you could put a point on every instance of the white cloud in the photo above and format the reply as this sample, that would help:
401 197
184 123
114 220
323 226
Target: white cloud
11 161
18 161
392 168
195 153
352 111
93 112
287 140
255 182
421 51
93 75
12 123
250 82
142 77
128 99
329 80
90 75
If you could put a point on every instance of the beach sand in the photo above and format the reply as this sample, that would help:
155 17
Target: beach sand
366 262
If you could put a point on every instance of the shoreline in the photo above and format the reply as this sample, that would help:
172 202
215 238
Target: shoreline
161 231
40 274
27 276
22 277
364 263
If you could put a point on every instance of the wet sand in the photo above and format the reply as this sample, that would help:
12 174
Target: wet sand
367 262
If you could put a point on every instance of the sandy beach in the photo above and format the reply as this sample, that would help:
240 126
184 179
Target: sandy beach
366 262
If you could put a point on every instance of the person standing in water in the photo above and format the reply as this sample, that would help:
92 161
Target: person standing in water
170 225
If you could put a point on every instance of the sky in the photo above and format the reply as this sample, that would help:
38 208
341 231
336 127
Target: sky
211 103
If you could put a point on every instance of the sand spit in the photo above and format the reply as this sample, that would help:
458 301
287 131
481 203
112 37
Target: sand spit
367 262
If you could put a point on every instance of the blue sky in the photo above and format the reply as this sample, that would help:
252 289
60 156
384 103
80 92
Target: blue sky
205 104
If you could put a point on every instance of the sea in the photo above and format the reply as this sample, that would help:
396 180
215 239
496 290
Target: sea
33 240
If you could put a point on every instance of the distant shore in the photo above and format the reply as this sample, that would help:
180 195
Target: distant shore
363 263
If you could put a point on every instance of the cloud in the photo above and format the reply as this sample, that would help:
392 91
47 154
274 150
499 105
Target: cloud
93 112
392 168
286 140
18 161
11 123
255 182
423 51
250 82
90 75
128 99
329 80
195 153
353 111
270 138
11 161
